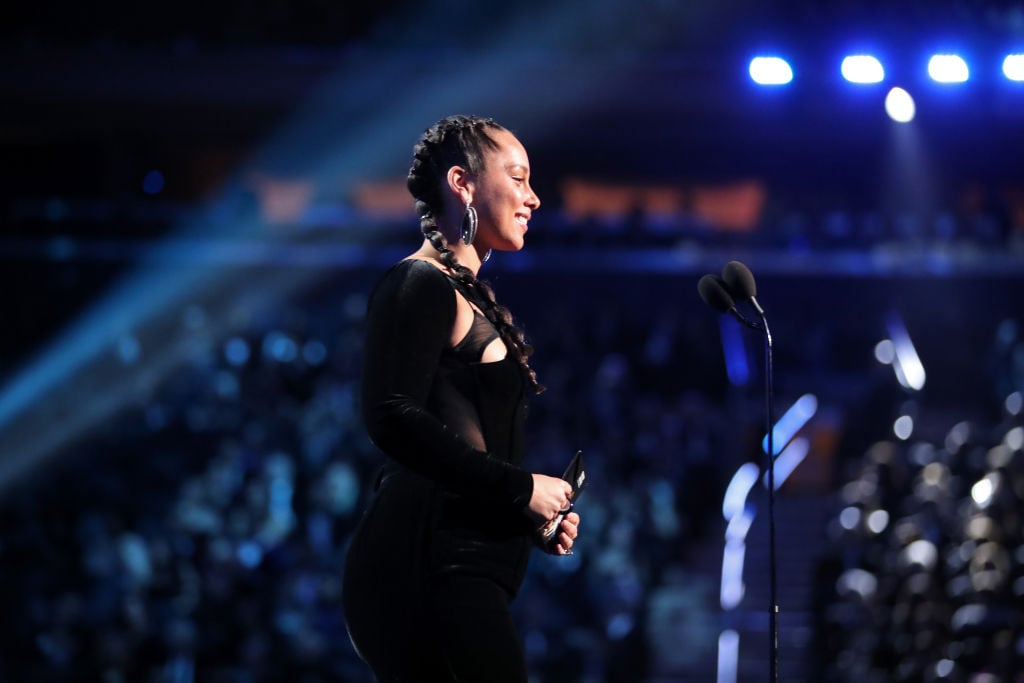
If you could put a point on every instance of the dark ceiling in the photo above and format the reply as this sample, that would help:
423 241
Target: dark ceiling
647 89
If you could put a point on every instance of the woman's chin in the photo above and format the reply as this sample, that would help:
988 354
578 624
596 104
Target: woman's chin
511 245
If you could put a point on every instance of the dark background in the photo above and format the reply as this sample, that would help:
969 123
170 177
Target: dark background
197 198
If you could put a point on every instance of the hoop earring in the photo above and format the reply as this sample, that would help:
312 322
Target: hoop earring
469 224
487 256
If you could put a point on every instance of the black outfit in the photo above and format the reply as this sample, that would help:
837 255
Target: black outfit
444 544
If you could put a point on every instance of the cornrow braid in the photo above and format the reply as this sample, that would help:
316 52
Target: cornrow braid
462 141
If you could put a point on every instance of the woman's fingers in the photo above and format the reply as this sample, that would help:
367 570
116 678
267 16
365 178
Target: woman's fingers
569 532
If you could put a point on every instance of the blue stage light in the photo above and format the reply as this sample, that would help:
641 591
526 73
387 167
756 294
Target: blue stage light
770 71
948 68
899 105
1013 67
862 69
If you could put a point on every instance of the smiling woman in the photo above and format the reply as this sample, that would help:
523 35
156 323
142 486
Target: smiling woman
444 544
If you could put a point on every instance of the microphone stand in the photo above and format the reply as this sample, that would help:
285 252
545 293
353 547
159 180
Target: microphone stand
773 610
773 613
719 292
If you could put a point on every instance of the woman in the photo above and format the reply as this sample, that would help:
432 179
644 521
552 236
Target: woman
443 547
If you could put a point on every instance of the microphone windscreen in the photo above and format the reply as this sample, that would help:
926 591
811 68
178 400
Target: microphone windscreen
739 280
713 291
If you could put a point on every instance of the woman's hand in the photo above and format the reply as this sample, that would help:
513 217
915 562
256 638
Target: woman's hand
552 501
568 530
550 496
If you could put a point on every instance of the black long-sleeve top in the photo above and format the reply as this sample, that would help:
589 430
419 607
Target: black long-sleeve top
452 429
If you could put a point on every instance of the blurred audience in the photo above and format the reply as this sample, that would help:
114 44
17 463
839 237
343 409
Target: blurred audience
924 579
199 536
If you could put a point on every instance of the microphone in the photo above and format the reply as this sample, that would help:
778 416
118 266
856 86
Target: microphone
716 294
740 281
712 290
737 283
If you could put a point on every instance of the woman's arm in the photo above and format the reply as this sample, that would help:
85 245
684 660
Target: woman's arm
409 326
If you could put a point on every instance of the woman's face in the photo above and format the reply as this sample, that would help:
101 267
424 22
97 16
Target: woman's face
502 195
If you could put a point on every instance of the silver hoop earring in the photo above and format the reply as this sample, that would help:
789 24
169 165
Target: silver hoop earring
487 256
469 223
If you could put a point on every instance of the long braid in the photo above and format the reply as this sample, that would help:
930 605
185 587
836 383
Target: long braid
461 141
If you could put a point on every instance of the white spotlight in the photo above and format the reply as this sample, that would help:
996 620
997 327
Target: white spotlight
770 71
885 352
907 365
903 427
948 69
862 69
1013 67
899 105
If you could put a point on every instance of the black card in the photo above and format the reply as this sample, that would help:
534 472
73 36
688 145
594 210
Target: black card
576 475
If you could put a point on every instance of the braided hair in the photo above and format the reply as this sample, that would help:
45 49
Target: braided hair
461 141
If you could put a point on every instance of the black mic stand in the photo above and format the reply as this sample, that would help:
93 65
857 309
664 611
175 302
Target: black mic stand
773 613
720 292
773 610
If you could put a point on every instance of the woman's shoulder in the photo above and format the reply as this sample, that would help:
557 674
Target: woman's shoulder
419 266
417 270
415 278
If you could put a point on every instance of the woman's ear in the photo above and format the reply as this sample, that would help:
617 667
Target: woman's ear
460 184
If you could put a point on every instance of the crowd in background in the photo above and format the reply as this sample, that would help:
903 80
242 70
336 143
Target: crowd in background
924 577
198 535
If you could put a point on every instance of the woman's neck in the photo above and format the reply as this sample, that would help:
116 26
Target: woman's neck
466 255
